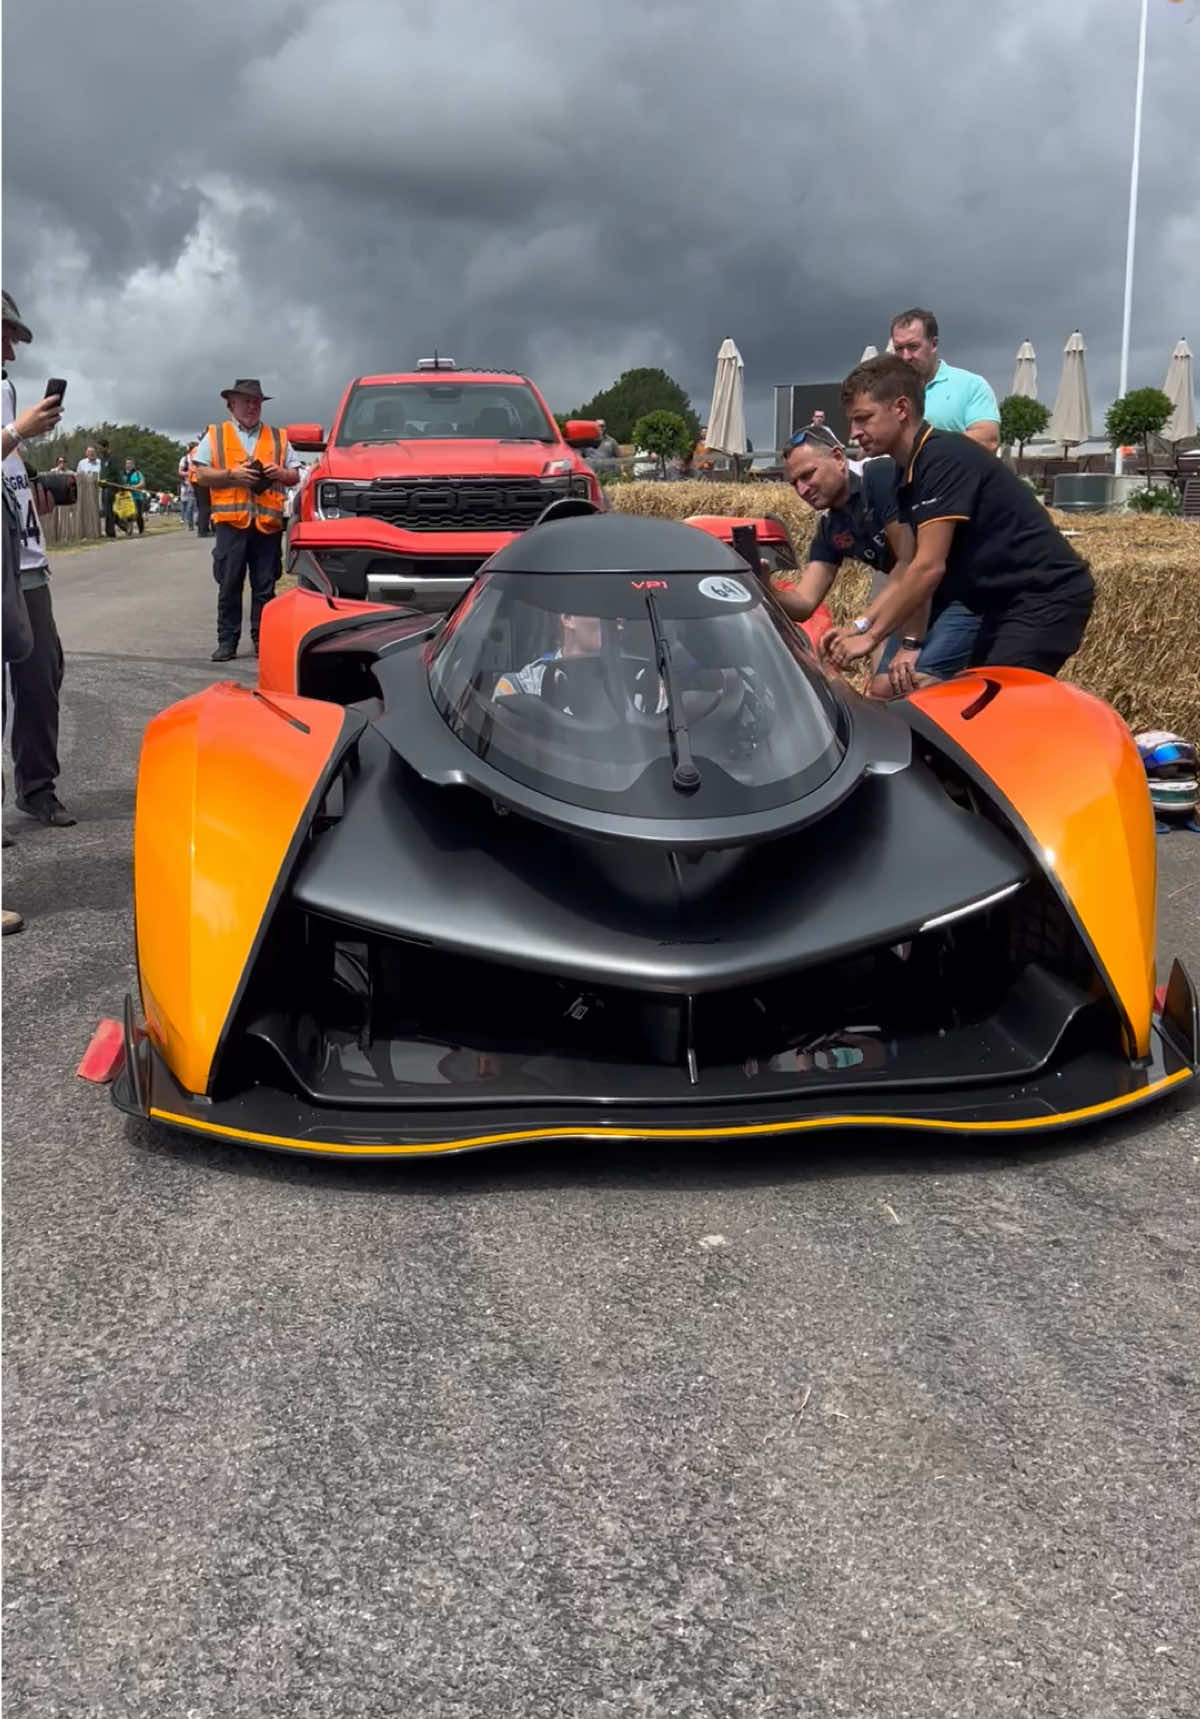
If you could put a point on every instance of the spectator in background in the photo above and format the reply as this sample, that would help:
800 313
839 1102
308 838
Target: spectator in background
137 484
955 399
200 496
60 464
187 495
37 679
111 473
607 448
89 465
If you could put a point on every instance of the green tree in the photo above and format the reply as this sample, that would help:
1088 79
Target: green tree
1136 417
1020 420
666 434
635 394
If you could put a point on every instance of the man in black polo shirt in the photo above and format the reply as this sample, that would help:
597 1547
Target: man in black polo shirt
983 537
860 520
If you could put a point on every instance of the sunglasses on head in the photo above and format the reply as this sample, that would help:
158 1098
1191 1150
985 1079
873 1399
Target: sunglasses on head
812 433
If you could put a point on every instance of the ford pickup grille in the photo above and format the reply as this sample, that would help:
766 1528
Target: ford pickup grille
459 504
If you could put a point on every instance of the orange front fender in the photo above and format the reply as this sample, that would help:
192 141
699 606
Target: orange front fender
1068 769
289 619
226 786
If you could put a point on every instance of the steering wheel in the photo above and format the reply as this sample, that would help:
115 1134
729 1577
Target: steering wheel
580 688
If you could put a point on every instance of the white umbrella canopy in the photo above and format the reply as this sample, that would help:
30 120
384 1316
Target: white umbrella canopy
1071 419
1025 375
726 433
1178 389
869 352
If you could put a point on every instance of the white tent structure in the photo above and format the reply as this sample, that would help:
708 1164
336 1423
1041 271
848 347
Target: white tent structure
1071 419
869 352
1025 376
1178 389
726 432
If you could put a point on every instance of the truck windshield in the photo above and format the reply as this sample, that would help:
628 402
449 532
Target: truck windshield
443 411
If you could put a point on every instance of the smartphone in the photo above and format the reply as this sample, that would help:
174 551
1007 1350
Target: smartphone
56 385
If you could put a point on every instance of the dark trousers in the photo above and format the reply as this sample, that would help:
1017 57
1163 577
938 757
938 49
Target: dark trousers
107 497
203 512
1038 629
35 688
236 553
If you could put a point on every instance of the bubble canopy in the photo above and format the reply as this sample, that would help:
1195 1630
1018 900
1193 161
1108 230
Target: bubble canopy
632 666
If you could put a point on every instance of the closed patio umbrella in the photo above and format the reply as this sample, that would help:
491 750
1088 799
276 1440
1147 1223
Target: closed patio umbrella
1071 419
727 415
1025 375
1178 389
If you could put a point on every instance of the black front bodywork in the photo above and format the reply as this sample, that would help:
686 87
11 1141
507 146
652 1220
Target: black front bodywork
463 956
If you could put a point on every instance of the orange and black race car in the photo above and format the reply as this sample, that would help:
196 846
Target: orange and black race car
602 853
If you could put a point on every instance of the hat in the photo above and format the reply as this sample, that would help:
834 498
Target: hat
246 385
12 316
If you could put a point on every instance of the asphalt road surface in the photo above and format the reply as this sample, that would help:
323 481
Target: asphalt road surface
861 1430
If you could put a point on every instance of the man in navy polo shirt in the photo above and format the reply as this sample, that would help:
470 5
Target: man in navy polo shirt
983 538
860 520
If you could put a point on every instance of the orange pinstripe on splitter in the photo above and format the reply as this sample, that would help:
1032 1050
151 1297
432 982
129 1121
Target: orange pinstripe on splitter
1068 765
739 1131
223 784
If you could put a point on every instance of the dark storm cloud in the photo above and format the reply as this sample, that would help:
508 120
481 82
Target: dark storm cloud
303 190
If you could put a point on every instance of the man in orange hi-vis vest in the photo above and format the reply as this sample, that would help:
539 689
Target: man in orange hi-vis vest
246 467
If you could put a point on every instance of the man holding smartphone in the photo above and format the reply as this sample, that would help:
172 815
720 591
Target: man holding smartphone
36 681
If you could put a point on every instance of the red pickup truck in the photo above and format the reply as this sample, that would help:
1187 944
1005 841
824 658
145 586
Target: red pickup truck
425 474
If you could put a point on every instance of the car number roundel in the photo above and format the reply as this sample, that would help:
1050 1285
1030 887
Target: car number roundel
723 590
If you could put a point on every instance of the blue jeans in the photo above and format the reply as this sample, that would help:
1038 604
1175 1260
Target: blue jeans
949 643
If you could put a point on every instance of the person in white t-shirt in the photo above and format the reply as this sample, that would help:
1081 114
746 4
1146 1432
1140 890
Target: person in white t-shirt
89 465
37 680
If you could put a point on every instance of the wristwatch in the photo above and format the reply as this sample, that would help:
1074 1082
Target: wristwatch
862 624
12 430
910 644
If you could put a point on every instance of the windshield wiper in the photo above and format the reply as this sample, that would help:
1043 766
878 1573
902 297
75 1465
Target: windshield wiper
685 775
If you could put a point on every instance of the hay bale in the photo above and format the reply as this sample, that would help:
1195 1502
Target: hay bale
1140 651
678 500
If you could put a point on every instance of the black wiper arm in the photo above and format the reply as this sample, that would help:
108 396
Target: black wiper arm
685 775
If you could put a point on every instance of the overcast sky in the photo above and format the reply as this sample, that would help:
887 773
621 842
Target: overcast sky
303 190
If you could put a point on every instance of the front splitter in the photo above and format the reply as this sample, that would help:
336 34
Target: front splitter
1087 1089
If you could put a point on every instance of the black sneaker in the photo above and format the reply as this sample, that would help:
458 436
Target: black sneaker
224 653
47 808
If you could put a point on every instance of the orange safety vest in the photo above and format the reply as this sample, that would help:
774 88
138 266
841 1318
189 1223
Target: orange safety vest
242 508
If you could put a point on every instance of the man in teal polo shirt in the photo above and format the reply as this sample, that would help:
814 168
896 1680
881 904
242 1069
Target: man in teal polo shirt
954 399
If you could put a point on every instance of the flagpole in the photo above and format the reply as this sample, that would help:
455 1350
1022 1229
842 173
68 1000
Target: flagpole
1131 236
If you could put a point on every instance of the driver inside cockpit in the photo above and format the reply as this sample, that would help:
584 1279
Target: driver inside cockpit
579 636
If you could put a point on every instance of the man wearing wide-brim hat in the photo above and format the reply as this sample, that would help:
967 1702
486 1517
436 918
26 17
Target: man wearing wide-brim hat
246 466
